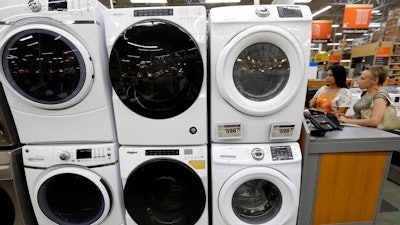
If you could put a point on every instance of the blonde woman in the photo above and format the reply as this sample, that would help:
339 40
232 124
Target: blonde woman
371 80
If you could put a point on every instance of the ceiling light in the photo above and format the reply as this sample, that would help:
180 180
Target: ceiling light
335 25
326 8
374 24
148 1
338 34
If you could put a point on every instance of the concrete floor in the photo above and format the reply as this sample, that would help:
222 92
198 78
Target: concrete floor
391 193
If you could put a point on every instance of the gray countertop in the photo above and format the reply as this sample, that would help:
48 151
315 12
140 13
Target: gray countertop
353 139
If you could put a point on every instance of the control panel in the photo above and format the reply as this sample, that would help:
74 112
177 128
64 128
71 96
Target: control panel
85 155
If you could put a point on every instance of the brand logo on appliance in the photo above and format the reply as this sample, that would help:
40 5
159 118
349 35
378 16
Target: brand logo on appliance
132 152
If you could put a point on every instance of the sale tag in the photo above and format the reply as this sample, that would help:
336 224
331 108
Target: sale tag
229 131
281 131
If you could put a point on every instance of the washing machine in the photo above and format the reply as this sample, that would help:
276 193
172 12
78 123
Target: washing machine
74 184
8 133
15 204
255 183
158 70
54 71
259 58
165 185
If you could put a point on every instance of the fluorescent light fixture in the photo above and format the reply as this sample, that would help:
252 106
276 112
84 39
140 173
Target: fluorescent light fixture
335 25
375 11
375 25
221 1
148 1
350 39
332 44
338 34
326 8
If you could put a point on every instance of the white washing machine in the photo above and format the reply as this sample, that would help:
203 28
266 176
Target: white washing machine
15 204
259 56
54 71
255 183
165 185
74 184
158 72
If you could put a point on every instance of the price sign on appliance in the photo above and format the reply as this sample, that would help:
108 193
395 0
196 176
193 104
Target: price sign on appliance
282 131
229 131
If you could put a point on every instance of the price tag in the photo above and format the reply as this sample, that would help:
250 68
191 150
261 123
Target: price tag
279 131
229 131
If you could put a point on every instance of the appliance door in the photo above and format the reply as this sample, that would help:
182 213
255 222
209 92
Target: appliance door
258 195
73 195
164 191
156 69
7 210
261 70
44 65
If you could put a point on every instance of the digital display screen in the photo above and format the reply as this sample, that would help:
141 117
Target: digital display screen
84 153
58 5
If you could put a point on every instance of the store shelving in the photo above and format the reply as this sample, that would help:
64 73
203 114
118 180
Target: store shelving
394 64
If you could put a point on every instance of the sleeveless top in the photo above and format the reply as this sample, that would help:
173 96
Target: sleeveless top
365 103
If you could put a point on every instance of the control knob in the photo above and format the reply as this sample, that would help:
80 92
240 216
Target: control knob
65 156
262 12
257 154
35 5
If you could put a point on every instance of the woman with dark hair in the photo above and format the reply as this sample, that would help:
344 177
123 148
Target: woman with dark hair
335 97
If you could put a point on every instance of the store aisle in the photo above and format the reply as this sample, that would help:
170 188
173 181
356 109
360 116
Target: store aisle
390 213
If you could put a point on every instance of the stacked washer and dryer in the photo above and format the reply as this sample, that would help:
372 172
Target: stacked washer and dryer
55 78
158 70
258 79
15 204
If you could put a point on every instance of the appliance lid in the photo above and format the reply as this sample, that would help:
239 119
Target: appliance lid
164 191
46 66
261 70
73 195
156 76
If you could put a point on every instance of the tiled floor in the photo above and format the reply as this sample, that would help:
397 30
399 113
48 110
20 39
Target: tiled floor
391 193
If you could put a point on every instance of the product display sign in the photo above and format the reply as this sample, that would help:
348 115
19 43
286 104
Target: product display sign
321 30
356 19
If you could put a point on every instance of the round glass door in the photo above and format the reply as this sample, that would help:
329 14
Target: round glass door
47 66
6 208
156 69
261 70
164 191
258 195
73 198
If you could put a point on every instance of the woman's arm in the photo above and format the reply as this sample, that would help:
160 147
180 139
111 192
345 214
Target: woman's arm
376 115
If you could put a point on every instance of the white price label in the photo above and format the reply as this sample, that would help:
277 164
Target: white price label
229 131
282 131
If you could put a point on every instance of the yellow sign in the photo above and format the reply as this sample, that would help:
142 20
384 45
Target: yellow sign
324 57
198 164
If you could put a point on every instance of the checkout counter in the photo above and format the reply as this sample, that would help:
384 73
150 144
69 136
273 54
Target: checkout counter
343 174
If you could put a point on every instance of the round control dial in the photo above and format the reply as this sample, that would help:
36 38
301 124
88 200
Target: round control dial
65 156
262 12
257 154
35 5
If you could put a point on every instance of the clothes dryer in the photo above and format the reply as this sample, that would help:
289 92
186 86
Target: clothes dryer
259 56
165 185
53 69
8 132
15 204
255 183
74 184
158 73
